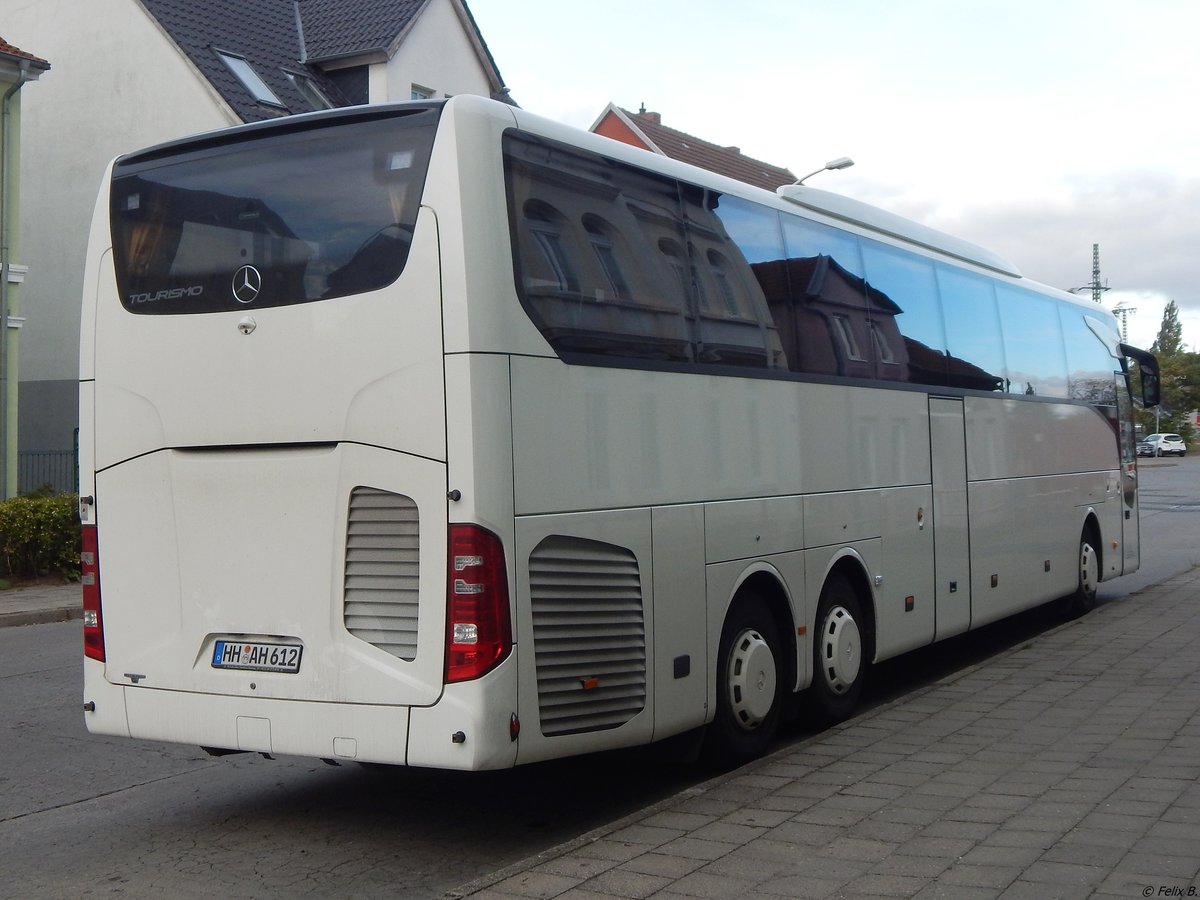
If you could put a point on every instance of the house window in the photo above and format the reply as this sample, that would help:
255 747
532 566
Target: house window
249 79
882 348
308 89
845 334
421 93
545 227
720 272
602 243
674 254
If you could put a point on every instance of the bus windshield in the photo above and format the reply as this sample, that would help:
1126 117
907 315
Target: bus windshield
307 215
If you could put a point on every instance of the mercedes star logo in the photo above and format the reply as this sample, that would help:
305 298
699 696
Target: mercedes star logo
247 282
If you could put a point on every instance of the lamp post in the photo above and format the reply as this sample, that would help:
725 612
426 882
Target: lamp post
842 162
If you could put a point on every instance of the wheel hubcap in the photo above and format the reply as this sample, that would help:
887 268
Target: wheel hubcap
1089 575
752 679
841 650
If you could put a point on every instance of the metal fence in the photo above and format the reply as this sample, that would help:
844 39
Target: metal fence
58 469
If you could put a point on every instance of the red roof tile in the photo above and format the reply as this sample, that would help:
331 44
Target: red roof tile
728 161
8 49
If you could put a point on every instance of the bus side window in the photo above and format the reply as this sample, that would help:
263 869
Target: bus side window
974 351
576 218
1090 365
903 302
828 298
1033 343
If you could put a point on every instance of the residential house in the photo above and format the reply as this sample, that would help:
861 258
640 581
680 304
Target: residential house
17 69
134 73
646 130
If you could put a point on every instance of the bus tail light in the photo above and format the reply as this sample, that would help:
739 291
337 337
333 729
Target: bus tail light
89 577
478 627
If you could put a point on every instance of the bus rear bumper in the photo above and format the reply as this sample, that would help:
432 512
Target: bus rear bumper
340 731
466 729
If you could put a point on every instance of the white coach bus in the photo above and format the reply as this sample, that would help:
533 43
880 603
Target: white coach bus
440 434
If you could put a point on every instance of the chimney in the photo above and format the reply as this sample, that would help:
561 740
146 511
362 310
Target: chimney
652 117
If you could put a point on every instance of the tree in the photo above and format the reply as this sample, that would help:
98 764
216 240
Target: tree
1180 378
1170 333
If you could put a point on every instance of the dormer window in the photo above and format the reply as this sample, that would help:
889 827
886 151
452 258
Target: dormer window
250 79
308 89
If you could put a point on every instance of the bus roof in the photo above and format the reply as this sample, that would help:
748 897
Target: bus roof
866 216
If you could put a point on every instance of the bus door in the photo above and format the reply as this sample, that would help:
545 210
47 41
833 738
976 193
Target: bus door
952 567
1130 526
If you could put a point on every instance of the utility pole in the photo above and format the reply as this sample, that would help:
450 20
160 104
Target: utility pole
1122 310
1097 287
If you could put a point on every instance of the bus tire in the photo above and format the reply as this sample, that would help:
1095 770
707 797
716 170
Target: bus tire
1083 599
839 651
750 674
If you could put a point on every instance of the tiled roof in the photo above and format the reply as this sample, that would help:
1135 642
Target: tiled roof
727 161
337 28
8 49
268 34
262 31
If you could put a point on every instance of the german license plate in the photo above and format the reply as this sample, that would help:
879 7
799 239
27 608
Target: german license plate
257 656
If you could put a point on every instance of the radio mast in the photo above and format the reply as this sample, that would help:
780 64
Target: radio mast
1122 310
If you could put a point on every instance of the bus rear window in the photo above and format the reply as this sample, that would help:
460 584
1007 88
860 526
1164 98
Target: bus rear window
275 219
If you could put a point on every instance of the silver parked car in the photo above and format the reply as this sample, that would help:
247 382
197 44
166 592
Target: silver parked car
1162 445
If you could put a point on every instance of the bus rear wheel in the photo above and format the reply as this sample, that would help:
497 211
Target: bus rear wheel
839 651
750 674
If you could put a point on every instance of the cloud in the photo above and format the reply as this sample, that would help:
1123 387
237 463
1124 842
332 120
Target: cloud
1146 224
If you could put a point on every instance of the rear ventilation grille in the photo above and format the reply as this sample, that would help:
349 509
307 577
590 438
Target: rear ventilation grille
589 635
382 555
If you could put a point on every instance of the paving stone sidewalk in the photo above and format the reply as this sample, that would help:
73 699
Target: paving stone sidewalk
1066 767
43 603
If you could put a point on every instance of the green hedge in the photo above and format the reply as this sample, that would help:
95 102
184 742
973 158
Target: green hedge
39 535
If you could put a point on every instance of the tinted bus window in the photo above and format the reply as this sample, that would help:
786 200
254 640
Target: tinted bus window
754 253
616 261
1091 368
904 305
974 350
600 253
828 305
1033 343
309 215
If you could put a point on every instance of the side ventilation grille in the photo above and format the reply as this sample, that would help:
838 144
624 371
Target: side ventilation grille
589 635
382 556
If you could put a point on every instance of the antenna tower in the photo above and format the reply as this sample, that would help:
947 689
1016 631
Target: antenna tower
1097 287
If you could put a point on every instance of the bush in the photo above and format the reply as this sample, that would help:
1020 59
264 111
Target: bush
39 535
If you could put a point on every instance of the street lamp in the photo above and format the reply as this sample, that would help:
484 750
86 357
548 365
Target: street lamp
842 162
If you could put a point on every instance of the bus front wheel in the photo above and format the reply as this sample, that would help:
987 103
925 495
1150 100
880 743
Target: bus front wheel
1083 599
749 684
839 651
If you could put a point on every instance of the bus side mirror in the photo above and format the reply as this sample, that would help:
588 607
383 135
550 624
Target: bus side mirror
1148 369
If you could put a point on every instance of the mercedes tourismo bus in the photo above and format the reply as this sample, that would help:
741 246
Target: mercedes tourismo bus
440 434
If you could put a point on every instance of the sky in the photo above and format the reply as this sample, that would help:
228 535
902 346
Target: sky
1035 128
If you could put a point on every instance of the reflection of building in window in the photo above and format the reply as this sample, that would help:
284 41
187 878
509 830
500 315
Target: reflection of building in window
546 228
883 349
661 277
845 335
600 234
720 273
674 256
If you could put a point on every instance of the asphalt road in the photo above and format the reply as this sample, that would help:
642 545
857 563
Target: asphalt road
83 816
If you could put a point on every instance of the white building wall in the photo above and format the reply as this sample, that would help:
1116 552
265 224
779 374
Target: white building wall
437 54
117 83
